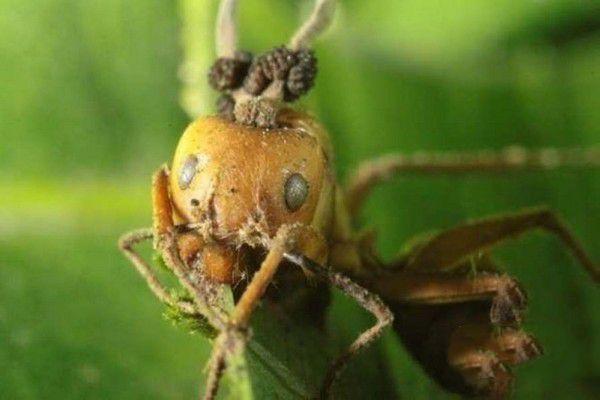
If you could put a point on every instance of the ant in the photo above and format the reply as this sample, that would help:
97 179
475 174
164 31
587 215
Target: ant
251 195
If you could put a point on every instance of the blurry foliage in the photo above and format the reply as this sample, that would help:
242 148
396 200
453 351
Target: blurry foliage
89 106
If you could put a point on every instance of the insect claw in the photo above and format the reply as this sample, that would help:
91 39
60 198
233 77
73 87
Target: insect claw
521 347
487 375
509 304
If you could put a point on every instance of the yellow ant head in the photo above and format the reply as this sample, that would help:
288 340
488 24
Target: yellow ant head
235 180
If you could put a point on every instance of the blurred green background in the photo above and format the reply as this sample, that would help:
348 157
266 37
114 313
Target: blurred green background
90 106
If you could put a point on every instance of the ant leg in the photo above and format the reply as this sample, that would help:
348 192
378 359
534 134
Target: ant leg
234 335
423 275
282 242
459 347
230 341
511 159
204 300
368 300
162 211
192 280
447 249
512 346
482 370
481 355
161 216
126 244
465 335
508 298
216 369
204 296
201 290
165 241
434 273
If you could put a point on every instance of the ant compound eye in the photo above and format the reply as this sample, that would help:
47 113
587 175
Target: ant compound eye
295 191
188 171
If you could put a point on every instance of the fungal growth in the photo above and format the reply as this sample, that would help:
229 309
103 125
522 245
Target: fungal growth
255 88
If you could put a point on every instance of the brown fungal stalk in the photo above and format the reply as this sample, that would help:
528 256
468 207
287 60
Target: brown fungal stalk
255 89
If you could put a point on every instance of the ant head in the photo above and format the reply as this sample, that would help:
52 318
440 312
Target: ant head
238 182
256 88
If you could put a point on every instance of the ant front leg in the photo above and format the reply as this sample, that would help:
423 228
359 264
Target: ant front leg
126 244
368 300
234 335
162 225
171 246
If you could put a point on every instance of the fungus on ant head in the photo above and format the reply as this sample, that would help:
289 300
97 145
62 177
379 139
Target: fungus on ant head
254 89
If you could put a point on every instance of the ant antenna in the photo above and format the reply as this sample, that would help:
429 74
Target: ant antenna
226 31
256 88
318 21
